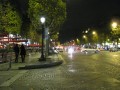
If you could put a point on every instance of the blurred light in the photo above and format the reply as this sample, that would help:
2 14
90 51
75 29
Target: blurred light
93 32
70 50
71 70
84 36
70 55
42 19
11 35
86 31
51 40
114 24
115 55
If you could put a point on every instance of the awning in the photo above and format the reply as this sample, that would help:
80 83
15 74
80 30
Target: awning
15 41
34 45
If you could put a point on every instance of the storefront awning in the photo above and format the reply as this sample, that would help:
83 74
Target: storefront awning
34 45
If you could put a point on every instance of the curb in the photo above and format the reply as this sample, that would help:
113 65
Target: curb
45 65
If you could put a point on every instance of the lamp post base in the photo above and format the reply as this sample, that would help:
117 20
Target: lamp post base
42 58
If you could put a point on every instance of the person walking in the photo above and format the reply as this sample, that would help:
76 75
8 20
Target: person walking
22 52
16 50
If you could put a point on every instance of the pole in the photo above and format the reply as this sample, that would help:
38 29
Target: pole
8 52
46 40
48 43
117 43
10 60
42 49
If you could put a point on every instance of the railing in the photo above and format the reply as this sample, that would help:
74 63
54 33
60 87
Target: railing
6 55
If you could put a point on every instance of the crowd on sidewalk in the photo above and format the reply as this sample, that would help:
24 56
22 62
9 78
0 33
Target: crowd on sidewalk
19 50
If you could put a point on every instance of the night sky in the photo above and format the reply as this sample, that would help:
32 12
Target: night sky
84 14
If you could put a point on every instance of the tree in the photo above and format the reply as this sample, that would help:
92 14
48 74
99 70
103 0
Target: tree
115 31
0 15
77 41
33 35
10 19
53 10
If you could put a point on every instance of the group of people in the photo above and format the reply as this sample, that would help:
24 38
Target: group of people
19 50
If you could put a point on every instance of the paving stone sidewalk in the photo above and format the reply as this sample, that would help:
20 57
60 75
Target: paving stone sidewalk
9 75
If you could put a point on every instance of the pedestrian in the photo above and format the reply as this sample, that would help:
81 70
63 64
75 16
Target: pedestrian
16 50
22 52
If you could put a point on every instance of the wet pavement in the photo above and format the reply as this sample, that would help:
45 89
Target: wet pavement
99 71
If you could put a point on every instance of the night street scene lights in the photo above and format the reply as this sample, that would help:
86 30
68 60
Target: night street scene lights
94 33
116 32
42 20
114 25
84 36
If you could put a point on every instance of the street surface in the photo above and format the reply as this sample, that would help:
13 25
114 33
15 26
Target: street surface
80 71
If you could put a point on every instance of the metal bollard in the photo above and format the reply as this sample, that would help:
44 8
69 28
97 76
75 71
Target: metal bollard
10 61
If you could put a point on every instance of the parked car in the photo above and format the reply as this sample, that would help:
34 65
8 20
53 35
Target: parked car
89 50
113 49
59 49
53 51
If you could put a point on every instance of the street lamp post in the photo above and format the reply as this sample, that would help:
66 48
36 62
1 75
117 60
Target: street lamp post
42 19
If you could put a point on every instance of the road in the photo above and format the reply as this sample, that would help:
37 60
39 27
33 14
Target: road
94 71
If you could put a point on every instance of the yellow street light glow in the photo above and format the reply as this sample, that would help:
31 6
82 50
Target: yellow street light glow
93 32
86 31
84 36
77 39
114 24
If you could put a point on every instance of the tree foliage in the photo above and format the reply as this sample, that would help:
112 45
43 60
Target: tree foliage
10 19
115 32
53 10
33 35
0 16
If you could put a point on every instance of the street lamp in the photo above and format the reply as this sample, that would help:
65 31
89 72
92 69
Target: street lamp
42 19
93 32
95 37
114 24
84 36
